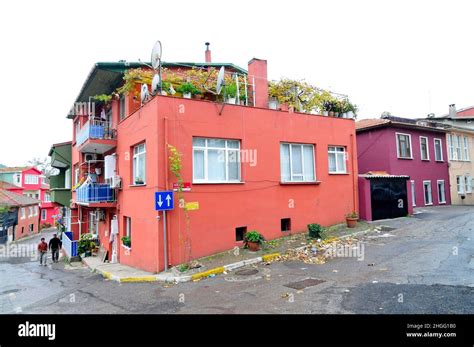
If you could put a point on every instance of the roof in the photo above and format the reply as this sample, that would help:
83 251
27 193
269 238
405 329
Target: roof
462 113
6 185
8 198
369 124
15 169
105 77
369 175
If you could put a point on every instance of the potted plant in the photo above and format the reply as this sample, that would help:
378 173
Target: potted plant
139 180
231 93
86 245
188 89
315 230
351 219
253 240
126 241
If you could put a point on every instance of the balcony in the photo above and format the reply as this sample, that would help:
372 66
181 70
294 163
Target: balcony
96 195
96 136
60 192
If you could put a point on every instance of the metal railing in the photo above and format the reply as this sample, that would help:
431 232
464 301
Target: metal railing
95 193
95 129
69 246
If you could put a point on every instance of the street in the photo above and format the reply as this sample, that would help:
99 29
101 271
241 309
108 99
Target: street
415 265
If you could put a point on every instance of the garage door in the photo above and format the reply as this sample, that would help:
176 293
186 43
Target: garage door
389 198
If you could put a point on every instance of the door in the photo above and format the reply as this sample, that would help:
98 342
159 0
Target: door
388 198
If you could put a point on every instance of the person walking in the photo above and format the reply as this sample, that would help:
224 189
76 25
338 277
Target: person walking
42 251
55 245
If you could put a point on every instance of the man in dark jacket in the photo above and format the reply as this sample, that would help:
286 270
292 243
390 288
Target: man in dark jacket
55 245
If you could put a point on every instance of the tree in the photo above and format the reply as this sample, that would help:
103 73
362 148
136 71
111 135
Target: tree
44 165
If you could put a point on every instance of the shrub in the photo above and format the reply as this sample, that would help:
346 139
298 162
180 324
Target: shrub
315 230
254 236
127 241
86 243
352 215
188 87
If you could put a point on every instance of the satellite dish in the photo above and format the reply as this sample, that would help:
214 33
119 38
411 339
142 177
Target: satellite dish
155 84
144 95
156 55
220 80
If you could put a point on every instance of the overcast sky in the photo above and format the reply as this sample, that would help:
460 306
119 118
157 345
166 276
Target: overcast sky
406 57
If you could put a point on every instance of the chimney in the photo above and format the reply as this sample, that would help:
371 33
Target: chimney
257 73
208 53
452 111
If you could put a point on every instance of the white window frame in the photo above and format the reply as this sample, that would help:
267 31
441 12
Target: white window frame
443 201
135 166
31 179
17 179
226 149
458 147
76 176
47 197
128 227
466 148
23 213
438 140
291 144
44 214
468 184
427 149
30 211
398 145
413 193
336 154
36 210
67 179
451 151
428 184
460 185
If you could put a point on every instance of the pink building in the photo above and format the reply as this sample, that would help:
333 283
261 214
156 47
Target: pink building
31 182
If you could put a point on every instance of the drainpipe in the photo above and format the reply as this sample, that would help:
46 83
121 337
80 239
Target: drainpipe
168 241
354 172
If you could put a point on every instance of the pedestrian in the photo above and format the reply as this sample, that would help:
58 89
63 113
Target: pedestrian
42 251
55 245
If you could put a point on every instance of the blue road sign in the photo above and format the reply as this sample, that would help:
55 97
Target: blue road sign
164 201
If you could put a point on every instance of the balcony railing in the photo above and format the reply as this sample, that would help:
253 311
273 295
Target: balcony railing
95 129
93 193
69 246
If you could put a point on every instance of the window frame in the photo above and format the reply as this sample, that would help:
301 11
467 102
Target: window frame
135 169
413 193
336 153
398 145
35 180
467 184
440 141
467 155
23 213
458 147
444 192
290 144
205 149
460 184
427 149
427 183
17 179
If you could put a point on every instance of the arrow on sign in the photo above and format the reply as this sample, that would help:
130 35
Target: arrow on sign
168 199
161 202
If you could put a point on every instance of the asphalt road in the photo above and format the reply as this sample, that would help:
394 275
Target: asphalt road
424 265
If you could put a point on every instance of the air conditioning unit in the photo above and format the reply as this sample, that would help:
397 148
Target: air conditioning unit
116 182
90 156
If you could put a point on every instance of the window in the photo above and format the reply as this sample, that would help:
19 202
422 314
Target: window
404 146
23 215
216 160
30 211
451 147
468 184
413 193
240 233
441 192
76 175
337 159
17 179
139 164
438 147
31 228
285 224
425 152
31 179
128 228
77 127
44 214
457 147
466 149
44 180
427 192
460 184
36 210
297 163
122 107
47 197
67 179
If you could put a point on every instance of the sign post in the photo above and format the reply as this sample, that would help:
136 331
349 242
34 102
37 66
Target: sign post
164 201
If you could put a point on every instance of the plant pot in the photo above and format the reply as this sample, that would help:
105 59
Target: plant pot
331 114
273 104
351 222
350 114
325 113
336 114
231 100
187 95
253 246
197 96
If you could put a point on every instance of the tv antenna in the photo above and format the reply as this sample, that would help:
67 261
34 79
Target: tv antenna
156 64
155 84
145 94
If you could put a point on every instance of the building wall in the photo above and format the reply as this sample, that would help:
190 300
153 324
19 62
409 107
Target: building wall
461 168
377 150
22 229
259 203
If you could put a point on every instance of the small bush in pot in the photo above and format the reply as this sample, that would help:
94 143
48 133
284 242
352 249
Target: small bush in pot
351 219
253 240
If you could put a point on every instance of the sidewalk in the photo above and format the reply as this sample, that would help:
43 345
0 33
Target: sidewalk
225 261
